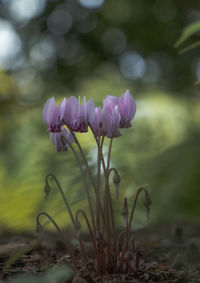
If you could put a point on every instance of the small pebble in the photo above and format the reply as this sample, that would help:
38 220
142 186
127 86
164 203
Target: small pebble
146 276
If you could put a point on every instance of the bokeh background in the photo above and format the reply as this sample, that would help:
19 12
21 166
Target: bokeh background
94 48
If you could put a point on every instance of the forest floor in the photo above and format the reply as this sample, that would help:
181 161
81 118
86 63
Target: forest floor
171 254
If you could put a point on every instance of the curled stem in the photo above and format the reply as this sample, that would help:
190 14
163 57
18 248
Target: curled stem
61 234
68 208
50 218
63 195
135 203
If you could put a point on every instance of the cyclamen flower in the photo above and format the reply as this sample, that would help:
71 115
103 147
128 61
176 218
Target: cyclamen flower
71 113
126 106
127 109
106 122
76 116
95 120
110 102
61 140
116 113
84 113
53 117
110 122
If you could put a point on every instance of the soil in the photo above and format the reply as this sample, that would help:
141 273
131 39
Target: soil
171 254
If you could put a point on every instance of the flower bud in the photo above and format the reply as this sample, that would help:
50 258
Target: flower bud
116 181
47 190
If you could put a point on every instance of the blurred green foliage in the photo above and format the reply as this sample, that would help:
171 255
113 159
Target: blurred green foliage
187 32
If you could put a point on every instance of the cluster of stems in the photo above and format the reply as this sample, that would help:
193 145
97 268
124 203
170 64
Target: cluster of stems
112 250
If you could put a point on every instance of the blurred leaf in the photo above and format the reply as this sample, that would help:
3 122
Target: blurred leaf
56 275
59 274
187 32
174 175
190 47
12 259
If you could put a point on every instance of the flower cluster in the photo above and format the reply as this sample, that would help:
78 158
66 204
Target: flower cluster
112 252
116 113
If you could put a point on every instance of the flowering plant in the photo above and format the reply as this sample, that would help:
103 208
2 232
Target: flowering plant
113 253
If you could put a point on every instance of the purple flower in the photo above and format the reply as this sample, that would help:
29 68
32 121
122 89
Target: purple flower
111 117
110 102
53 117
76 116
71 113
111 122
61 140
127 109
95 120
83 115
126 106
116 113
91 111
